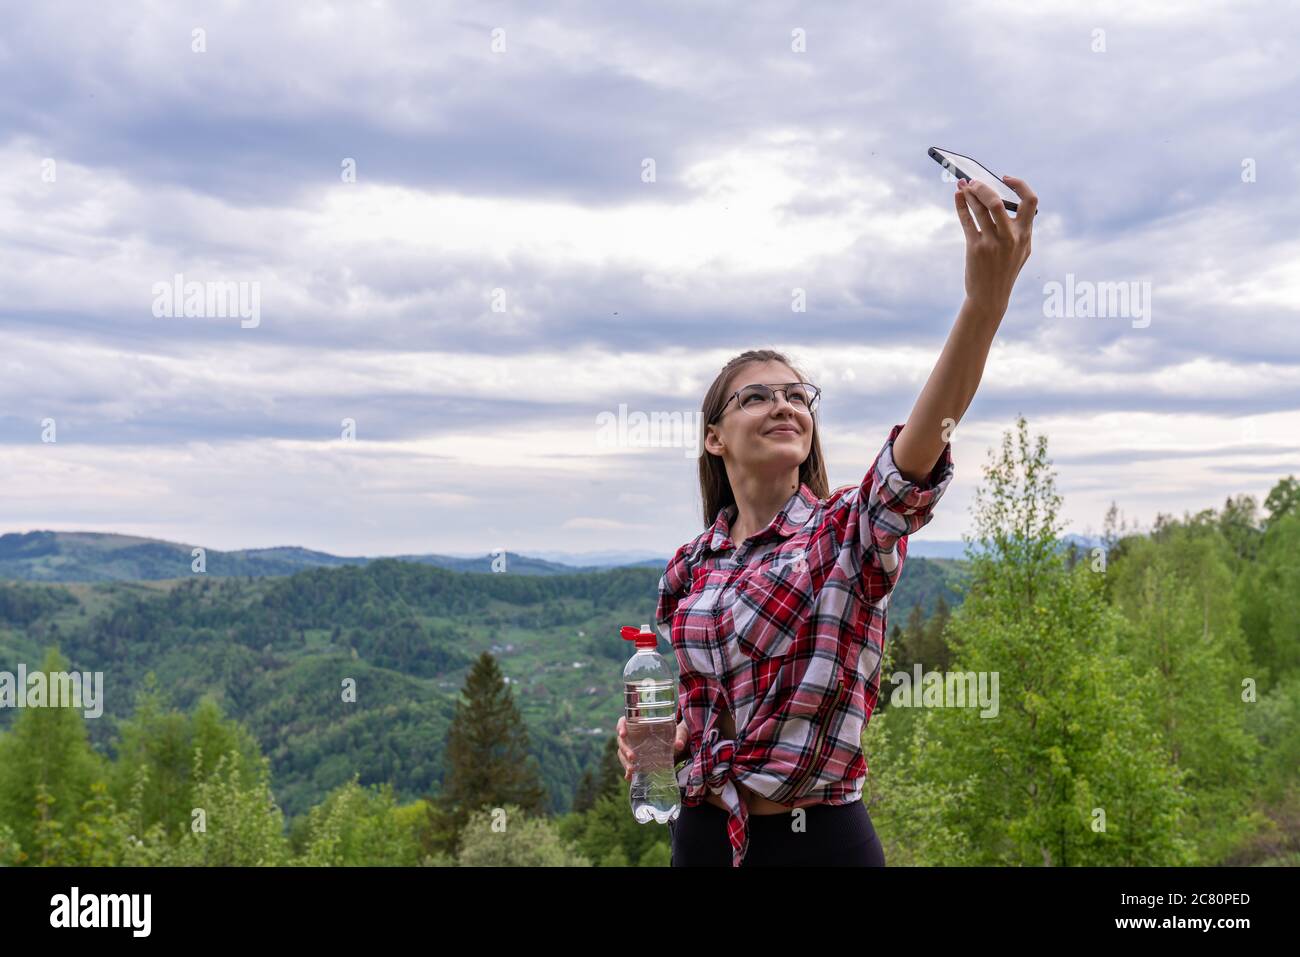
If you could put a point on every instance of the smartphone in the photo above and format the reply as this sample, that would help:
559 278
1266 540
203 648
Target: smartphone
963 167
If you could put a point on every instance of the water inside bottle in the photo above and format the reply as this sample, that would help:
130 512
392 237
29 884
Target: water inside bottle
651 732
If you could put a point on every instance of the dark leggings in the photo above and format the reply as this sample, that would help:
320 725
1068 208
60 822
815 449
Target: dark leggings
832 835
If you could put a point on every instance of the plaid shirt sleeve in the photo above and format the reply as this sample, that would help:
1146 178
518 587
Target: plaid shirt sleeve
872 521
673 584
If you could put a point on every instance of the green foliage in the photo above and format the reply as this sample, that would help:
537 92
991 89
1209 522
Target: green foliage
11 852
1183 635
358 826
57 807
914 813
1269 594
1122 692
161 742
922 641
232 824
1069 740
1283 499
509 836
23 604
609 835
1274 720
47 767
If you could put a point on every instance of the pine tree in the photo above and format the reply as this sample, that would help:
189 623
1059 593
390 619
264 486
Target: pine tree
909 647
487 760
933 647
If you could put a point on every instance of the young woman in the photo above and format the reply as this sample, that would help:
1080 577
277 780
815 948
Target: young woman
776 611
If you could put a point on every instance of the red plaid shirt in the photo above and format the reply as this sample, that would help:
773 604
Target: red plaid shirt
787 632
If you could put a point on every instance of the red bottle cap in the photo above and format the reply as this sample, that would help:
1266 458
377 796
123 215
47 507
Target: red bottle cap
643 636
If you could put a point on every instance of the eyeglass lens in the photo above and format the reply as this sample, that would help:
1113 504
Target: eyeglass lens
758 398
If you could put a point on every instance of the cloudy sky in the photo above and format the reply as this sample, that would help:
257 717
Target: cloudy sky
444 217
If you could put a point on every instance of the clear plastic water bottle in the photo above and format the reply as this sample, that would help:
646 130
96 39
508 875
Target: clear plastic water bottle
650 693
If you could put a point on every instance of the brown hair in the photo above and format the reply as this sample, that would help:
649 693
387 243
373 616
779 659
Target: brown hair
715 488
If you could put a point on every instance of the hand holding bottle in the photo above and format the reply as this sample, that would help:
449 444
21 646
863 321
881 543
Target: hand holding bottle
625 749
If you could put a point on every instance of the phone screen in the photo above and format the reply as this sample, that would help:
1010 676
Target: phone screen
963 167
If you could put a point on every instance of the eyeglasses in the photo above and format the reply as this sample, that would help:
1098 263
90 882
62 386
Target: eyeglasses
758 399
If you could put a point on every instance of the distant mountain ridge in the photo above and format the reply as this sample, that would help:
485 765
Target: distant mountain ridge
48 556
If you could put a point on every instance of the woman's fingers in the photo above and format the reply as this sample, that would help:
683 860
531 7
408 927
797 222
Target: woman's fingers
624 752
987 196
626 755
1028 201
963 214
977 206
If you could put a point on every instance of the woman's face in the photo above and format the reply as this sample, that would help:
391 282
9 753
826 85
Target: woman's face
769 444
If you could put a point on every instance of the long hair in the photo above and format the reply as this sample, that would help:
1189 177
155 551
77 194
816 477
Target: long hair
715 488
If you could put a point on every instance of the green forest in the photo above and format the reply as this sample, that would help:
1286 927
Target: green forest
404 714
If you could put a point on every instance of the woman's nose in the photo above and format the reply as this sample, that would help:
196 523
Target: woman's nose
780 400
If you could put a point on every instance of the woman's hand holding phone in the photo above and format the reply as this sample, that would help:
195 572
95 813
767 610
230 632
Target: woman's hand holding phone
997 248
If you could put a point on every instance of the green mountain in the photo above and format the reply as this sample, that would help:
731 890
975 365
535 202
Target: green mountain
100 556
276 652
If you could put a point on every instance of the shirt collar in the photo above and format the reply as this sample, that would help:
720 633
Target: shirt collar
794 515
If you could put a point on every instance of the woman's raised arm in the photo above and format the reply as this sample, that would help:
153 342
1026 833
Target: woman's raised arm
995 253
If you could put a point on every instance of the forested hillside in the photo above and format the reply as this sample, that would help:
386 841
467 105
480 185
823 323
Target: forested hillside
274 652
